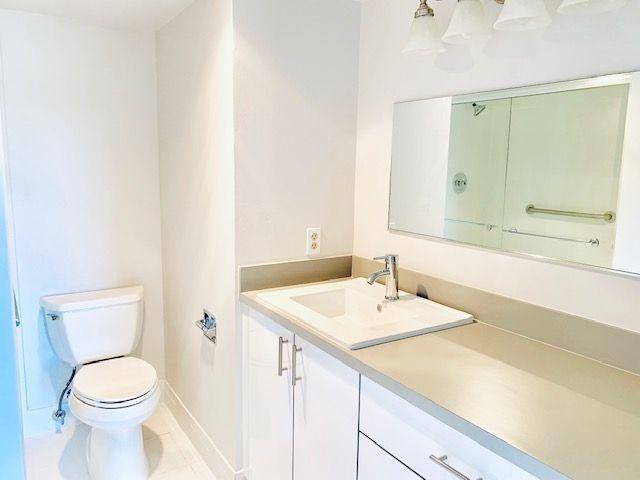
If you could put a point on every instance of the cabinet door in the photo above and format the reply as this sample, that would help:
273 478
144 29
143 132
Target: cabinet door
269 398
376 464
325 416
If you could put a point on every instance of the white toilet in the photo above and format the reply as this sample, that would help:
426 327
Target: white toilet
112 392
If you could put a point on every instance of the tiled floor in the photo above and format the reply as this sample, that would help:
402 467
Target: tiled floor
170 453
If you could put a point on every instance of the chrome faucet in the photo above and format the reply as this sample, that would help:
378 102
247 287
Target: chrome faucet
391 272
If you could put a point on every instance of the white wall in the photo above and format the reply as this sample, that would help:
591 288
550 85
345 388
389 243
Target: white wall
296 72
80 106
257 123
570 48
626 255
195 92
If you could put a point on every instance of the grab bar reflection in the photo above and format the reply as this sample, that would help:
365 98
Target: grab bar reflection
606 216
593 242
488 226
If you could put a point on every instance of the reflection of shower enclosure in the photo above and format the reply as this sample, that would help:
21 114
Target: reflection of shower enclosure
478 147
558 151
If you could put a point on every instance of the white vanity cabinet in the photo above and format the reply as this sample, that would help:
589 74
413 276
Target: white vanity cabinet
427 446
305 429
311 417
269 398
376 464
325 440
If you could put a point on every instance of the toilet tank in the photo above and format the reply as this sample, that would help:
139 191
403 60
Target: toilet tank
89 326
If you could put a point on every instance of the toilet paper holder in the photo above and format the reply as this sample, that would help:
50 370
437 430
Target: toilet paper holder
208 325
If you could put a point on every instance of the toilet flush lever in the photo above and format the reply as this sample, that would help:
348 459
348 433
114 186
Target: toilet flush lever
208 325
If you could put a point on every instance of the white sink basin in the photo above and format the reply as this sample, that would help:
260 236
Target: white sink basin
356 315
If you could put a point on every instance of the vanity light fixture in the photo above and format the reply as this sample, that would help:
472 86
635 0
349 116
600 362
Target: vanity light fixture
469 22
425 35
520 15
587 7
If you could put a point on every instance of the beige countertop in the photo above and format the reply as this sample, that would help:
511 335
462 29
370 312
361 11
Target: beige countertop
551 412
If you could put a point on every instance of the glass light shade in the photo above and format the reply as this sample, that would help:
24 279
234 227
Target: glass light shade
467 24
519 15
587 7
424 36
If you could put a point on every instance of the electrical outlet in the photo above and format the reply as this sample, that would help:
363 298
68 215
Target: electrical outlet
314 241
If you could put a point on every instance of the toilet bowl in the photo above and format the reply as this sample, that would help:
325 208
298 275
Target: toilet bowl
114 397
112 391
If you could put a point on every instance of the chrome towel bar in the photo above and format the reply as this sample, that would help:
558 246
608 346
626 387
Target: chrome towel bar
488 226
606 216
593 242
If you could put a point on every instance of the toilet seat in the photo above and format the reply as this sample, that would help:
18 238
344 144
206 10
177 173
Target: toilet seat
115 383
116 393
115 405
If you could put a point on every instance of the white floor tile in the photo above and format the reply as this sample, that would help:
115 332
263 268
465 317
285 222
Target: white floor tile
184 473
164 454
159 423
202 471
187 449
58 456
170 454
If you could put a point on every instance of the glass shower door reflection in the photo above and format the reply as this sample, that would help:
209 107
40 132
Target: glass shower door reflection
478 149
564 155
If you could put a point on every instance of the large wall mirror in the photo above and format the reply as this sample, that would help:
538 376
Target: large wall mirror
550 170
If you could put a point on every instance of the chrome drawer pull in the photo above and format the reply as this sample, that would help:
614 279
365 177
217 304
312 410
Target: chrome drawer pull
441 461
281 342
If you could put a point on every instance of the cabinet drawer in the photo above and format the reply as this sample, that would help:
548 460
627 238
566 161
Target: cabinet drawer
412 436
376 464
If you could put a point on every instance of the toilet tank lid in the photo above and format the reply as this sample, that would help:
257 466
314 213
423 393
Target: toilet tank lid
95 299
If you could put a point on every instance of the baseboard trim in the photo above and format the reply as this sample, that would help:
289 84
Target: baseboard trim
213 457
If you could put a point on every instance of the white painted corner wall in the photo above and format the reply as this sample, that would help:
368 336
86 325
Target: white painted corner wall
80 109
572 47
257 127
195 93
296 84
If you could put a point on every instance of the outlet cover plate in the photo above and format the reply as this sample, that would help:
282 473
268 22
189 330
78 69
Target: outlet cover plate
314 241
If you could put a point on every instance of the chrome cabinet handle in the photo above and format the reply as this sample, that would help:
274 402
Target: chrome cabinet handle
281 342
294 365
441 461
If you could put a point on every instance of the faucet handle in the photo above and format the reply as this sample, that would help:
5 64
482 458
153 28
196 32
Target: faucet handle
389 258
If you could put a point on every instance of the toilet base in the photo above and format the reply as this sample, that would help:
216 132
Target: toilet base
114 448
117 454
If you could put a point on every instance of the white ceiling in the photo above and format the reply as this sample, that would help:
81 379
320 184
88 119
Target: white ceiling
127 14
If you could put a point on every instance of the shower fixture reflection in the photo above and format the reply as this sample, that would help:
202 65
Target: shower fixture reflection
478 109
